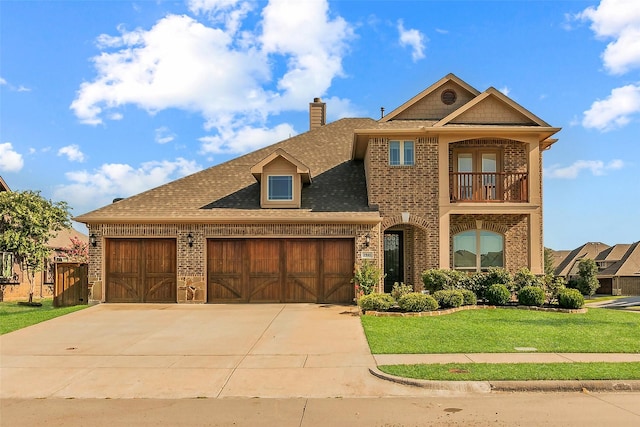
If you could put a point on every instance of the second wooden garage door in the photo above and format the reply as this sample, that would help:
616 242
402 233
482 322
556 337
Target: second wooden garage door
280 270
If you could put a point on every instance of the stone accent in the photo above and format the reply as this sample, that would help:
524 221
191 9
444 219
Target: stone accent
192 289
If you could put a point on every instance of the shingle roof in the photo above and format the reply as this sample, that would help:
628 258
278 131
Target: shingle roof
588 250
229 190
628 265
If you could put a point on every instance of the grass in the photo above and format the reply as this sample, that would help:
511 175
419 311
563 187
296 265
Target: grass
14 316
502 330
598 298
517 371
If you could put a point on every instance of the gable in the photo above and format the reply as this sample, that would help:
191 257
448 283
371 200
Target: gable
433 105
437 101
492 107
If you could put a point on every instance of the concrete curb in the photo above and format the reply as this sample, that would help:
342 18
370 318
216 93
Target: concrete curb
459 386
513 386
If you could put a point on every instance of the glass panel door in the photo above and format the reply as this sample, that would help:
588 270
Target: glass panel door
465 176
393 259
489 169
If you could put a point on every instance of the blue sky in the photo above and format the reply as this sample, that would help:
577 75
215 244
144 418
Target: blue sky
105 99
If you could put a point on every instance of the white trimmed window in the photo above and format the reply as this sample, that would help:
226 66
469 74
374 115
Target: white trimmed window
280 187
478 250
401 153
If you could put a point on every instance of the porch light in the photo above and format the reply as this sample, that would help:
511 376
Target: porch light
190 240
93 240
367 240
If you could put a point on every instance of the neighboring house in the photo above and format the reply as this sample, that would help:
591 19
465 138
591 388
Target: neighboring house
450 179
16 284
618 266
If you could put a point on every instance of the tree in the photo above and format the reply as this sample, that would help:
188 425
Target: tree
549 268
27 222
587 280
77 251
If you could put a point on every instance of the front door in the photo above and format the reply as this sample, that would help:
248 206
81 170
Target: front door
393 259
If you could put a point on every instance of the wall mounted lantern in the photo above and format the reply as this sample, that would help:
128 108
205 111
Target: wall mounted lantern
190 240
367 240
93 240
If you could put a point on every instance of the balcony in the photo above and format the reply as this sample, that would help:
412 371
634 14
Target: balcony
489 187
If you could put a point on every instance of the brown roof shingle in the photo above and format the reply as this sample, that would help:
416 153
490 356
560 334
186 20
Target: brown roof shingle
230 190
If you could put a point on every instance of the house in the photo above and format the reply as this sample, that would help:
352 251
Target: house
14 283
450 179
618 266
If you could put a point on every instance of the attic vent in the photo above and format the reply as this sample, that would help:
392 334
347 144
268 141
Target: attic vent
448 96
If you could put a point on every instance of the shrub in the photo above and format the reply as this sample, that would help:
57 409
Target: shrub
570 298
449 298
494 276
531 296
523 278
366 277
417 301
553 285
435 280
376 302
498 294
400 289
457 279
469 297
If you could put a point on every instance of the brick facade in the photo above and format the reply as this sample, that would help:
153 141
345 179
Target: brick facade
191 262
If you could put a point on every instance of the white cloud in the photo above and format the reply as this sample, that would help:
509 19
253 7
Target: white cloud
505 90
618 20
72 152
596 167
20 88
414 39
245 139
164 135
615 111
111 180
10 160
234 79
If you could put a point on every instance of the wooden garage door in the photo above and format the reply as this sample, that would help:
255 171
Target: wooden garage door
141 270
280 270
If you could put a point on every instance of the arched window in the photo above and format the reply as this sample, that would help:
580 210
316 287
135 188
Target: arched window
477 250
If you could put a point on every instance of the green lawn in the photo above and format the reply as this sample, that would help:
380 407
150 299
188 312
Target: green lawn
504 330
14 316
517 371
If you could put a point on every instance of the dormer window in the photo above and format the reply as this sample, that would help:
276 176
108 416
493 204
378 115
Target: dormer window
281 177
280 187
401 153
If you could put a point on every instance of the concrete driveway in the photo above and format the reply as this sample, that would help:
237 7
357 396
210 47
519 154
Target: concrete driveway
189 351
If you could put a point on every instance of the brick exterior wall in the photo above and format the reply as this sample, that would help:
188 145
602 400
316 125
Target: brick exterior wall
514 228
191 261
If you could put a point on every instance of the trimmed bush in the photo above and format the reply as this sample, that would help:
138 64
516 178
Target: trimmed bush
449 298
416 302
498 294
400 289
435 280
524 278
376 302
531 296
570 298
469 297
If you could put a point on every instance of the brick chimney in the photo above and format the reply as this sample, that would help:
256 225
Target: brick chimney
317 113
